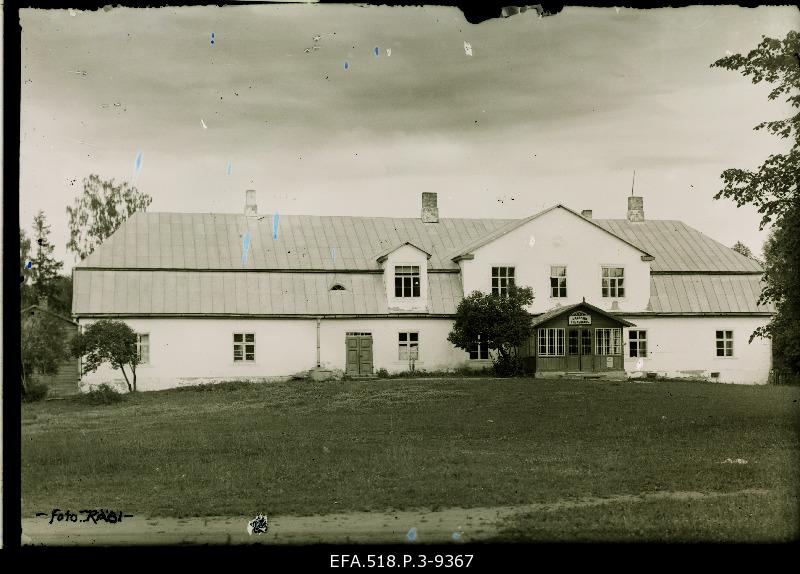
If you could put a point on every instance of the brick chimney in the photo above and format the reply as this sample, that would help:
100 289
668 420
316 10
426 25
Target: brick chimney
587 213
430 210
635 209
250 207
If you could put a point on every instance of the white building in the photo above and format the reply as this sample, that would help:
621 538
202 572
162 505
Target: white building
220 297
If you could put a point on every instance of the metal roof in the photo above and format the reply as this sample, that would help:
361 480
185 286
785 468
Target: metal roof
706 294
247 293
215 241
678 247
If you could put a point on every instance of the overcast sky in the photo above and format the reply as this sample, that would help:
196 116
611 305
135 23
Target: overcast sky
560 109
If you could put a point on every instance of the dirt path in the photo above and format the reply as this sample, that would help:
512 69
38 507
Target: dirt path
453 525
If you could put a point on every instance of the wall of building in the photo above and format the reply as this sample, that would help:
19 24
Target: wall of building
562 238
686 347
194 351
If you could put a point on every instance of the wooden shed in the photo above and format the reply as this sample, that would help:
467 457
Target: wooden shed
65 381
578 339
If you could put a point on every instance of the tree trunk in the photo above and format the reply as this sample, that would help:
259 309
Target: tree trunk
124 374
134 378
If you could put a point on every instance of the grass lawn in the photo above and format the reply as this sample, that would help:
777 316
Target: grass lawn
308 448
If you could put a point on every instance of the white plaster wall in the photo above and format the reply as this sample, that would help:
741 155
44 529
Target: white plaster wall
193 351
561 238
435 352
686 347
406 255
187 351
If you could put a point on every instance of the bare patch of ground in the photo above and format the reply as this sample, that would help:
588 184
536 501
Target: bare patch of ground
454 525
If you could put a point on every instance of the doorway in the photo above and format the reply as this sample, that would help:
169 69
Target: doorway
358 348
579 351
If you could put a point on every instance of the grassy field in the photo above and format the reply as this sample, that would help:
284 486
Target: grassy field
316 448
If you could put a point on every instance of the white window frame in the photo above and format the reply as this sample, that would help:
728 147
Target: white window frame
609 343
727 343
477 347
551 342
243 344
407 345
558 287
500 289
412 276
140 346
638 340
618 282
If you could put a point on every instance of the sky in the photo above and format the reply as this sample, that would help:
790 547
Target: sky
294 102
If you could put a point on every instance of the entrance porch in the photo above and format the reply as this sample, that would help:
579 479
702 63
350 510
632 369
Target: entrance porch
576 341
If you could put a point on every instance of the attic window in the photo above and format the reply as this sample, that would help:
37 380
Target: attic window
337 287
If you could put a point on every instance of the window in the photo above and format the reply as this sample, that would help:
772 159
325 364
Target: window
637 343
551 342
613 282
558 281
502 279
409 346
724 343
609 341
143 348
406 281
244 347
337 287
479 351
586 341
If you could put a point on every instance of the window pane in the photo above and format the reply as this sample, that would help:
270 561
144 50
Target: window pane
403 353
414 351
729 334
250 337
237 337
510 272
643 349
413 336
403 336
719 334
250 357
250 348
494 271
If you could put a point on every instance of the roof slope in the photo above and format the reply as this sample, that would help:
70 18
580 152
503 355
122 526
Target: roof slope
678 247
706 294
248 293
215 241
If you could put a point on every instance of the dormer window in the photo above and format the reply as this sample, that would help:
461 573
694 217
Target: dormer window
406 281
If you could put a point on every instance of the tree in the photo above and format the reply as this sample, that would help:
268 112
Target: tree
108 341
61 295
782 286
45 267
100 211
502 322
742 249
43 346
26 291
774 188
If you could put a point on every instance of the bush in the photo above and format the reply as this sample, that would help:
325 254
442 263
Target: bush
102 395
219 387
382 373
509 366
34 392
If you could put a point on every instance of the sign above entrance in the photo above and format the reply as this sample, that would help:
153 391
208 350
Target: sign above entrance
580 318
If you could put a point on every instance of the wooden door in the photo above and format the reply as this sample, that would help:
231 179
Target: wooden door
587 356
573 350
365 356
358 347
351 344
